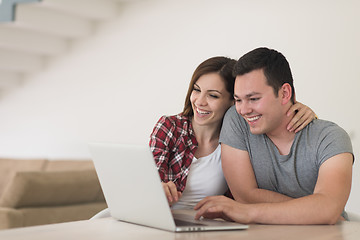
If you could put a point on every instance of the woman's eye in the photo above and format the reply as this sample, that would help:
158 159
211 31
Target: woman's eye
213 96
196 90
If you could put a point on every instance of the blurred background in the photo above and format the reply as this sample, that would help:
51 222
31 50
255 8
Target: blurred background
74 72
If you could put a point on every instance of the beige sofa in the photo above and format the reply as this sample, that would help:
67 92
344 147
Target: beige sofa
41 191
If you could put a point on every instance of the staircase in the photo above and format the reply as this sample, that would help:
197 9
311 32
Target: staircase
32 31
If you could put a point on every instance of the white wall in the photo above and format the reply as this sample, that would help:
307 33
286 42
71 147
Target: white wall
114 86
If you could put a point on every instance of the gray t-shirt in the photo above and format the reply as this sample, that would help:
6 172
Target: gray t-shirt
295 174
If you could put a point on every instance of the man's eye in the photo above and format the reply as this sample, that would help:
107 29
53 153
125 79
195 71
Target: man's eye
254 99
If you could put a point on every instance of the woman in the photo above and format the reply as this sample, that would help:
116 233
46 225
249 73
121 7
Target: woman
191 138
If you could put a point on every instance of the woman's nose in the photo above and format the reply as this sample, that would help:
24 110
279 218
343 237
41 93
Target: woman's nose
201 100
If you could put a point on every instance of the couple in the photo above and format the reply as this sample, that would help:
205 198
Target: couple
280 165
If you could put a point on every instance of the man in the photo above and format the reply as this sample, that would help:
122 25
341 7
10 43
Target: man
277 176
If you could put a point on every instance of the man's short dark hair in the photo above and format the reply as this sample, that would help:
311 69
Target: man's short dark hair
275 66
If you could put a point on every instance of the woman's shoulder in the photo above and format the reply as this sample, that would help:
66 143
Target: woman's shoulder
174 127
174 120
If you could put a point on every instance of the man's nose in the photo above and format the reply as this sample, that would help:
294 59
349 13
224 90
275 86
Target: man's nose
244 108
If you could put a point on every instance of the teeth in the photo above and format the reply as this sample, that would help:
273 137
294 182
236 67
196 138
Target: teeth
253 118
201 112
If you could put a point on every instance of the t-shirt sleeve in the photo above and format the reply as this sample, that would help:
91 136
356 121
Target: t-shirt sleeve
233 131
333 140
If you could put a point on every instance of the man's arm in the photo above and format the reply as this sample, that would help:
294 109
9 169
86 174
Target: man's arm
240 177
324 206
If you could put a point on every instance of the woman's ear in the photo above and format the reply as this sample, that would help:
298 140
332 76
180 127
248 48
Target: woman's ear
285 93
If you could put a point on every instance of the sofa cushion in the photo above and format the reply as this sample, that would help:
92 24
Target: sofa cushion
8 168
69 165
10 218
51 188
49 215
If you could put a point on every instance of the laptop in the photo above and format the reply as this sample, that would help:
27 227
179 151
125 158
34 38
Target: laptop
134 193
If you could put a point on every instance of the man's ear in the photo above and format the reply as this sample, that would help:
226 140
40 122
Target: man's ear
285 93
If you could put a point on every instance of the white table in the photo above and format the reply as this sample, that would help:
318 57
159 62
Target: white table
108 228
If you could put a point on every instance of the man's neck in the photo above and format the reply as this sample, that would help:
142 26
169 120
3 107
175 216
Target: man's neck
281 137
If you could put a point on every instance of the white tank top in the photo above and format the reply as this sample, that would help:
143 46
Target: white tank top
205 178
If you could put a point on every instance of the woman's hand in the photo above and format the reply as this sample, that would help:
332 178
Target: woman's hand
303 116
171 192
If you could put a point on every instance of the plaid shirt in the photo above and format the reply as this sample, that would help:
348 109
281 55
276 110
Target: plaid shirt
173 145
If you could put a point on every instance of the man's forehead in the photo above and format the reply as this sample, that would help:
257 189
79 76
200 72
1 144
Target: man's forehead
249 85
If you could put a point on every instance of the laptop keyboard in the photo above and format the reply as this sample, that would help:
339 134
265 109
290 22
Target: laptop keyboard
185 223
